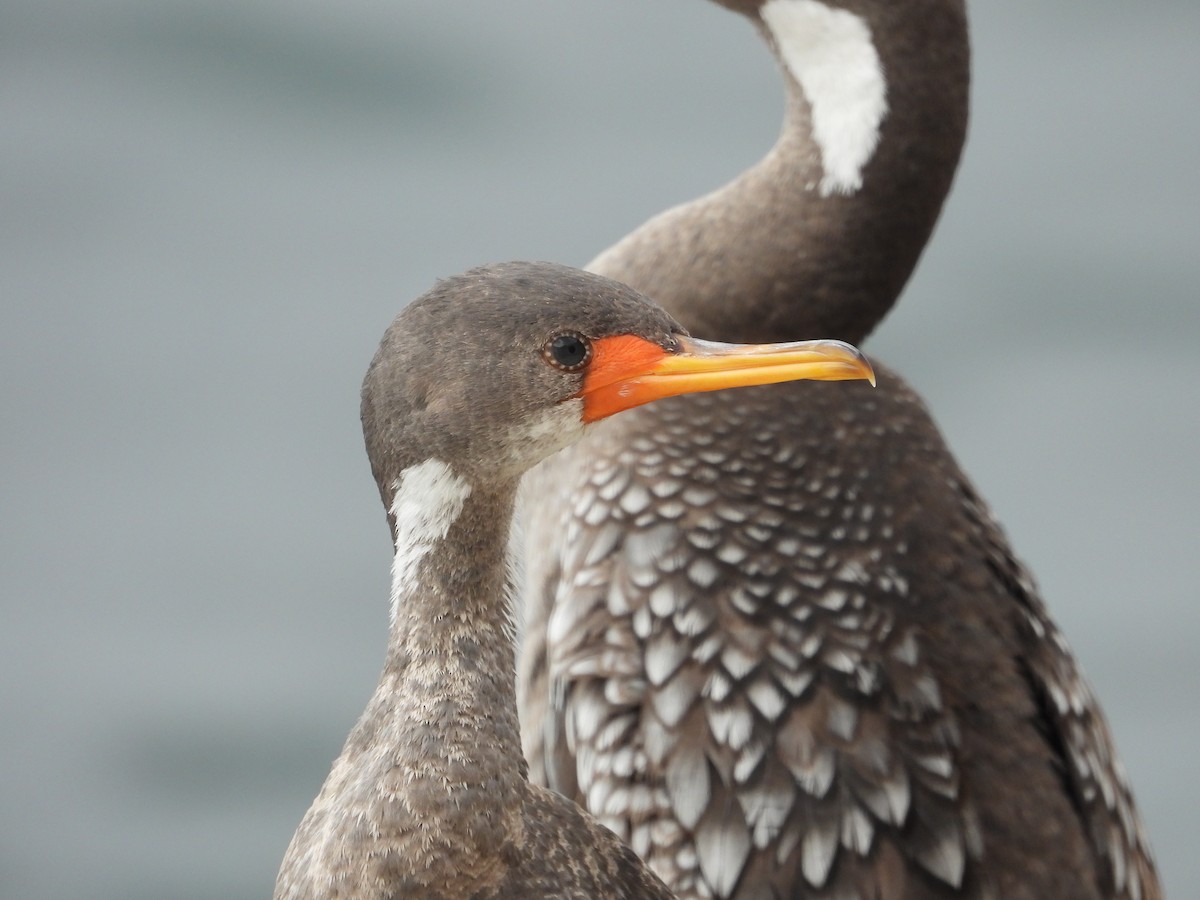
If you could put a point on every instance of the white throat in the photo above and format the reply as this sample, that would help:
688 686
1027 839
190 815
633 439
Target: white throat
830 53
429 498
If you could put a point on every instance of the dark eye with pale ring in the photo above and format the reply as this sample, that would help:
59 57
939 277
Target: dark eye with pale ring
570 351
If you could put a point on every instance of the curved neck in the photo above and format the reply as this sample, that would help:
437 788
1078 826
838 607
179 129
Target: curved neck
794 248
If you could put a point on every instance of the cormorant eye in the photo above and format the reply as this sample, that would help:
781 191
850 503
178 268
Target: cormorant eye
569 352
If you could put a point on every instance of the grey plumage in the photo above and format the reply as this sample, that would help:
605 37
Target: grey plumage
775 639
429 798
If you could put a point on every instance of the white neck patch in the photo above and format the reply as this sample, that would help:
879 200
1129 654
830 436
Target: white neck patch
830 54
429 498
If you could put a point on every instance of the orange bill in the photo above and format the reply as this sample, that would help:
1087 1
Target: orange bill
627 371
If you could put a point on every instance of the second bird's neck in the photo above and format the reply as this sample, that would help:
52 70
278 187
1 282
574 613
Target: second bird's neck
819 238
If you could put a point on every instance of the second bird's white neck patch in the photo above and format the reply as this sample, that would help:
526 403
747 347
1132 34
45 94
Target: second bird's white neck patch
830 53
429 498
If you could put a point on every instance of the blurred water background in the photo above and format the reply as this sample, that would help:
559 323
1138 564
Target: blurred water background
209 211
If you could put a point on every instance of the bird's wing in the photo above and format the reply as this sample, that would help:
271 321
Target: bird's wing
1074 725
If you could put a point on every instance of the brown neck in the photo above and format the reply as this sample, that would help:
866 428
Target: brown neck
433 770
447 694
771 255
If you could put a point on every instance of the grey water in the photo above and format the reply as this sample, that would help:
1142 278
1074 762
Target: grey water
209 211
